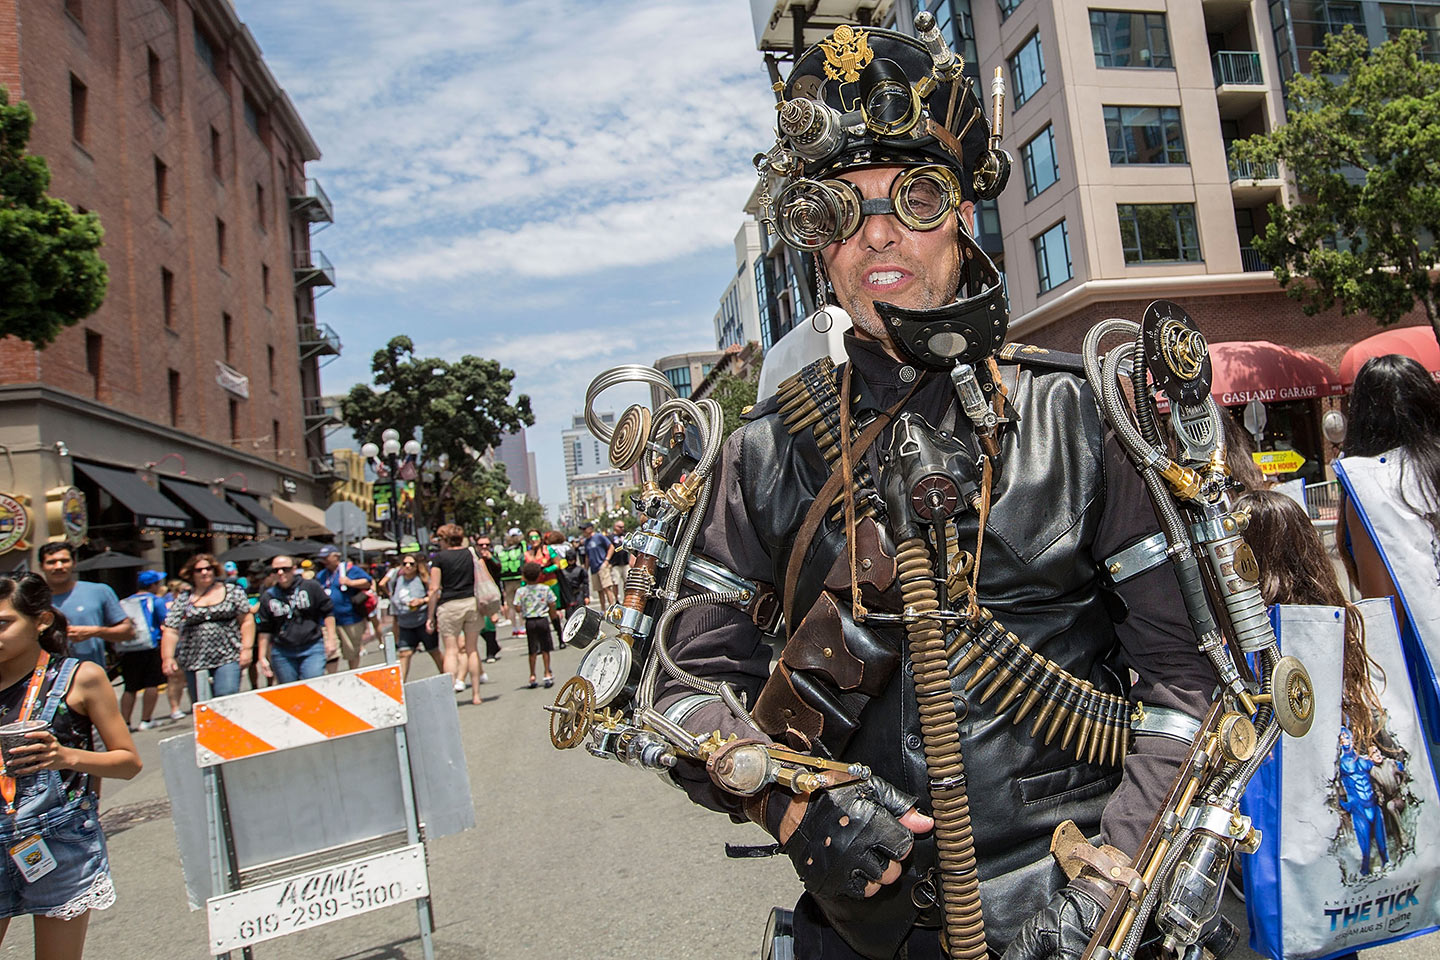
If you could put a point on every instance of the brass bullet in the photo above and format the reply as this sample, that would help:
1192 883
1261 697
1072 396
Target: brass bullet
1076 714
1051 699
1027 677
1070 696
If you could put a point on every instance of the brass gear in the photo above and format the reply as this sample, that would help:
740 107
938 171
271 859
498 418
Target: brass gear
573 713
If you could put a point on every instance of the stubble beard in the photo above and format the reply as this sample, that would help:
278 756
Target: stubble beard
931 294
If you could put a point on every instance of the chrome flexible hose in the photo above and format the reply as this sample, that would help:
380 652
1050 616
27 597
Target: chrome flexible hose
940 732
625 373
1147 905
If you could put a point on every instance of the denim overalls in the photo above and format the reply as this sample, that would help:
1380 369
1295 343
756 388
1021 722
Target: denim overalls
71 829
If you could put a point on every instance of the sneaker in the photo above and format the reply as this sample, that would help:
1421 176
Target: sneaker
459 687
484 678
491 659
178 715
147 724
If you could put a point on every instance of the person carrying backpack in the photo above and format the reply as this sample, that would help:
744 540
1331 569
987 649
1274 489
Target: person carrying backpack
141 665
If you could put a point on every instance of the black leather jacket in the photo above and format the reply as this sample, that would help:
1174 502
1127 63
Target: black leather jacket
1048 529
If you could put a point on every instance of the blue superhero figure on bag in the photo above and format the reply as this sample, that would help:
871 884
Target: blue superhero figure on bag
1359 801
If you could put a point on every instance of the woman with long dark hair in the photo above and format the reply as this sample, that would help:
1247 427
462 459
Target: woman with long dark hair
50 819
209 628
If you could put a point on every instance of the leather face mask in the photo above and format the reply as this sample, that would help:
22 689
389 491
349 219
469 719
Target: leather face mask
966 330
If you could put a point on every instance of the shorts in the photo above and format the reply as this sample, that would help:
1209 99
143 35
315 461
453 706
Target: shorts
352 639
458 617
416 638
81 878
604 577
508 588
141 670
537 635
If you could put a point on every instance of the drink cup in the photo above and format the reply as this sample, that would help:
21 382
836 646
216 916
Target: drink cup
14 735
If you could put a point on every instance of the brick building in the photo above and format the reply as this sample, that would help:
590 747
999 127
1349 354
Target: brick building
186 409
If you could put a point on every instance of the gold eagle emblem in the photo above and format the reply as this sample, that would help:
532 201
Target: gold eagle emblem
847 52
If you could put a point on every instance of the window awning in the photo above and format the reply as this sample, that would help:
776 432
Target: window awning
251 506
151 509
304 519
1417 343
219 516
1246 370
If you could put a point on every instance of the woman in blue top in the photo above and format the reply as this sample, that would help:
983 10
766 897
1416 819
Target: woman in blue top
57 869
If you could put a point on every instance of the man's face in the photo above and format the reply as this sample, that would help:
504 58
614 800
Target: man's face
886 260
619 528
483 545
332 561
59 568
284 567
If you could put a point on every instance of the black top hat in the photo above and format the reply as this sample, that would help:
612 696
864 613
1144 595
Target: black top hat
893 108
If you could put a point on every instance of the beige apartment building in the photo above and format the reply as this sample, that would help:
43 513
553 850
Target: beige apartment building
1119 117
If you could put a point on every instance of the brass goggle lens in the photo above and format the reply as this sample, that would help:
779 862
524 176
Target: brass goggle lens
812 214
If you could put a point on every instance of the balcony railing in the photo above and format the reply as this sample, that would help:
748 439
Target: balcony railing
318 339
317 414
1237 68
1252 262
323 468
313 269
1248 170
314 204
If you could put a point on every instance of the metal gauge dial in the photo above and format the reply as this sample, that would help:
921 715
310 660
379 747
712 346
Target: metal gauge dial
607 665
1176 353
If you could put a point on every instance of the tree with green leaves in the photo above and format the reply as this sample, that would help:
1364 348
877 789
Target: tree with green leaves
1362 142
461 408
735 395
51 276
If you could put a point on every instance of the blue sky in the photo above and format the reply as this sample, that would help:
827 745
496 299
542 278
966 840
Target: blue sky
556 185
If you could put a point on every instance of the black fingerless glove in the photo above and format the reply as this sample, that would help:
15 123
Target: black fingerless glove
1062 928
848 837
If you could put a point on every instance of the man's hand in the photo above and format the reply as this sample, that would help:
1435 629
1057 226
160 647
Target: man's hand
331 646
1062 928
848 841
264 666
79 632
246 657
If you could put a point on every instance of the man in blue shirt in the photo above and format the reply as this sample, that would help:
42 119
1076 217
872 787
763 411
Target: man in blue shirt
346 584
91 609
598 551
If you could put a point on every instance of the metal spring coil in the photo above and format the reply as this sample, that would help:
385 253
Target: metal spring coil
940 731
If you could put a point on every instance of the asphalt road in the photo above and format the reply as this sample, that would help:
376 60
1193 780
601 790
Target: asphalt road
571 856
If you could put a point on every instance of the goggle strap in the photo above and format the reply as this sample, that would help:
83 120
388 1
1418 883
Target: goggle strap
877 205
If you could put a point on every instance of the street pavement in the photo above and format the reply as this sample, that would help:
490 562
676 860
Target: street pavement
571 857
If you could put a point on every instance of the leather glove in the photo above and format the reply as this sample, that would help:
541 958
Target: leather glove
1062 928
848 837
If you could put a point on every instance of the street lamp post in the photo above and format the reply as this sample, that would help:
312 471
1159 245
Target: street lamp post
395 463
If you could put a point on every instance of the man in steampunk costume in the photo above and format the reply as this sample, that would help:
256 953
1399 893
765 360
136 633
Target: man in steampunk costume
1019 717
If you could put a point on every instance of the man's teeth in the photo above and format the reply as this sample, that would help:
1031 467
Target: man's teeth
885 277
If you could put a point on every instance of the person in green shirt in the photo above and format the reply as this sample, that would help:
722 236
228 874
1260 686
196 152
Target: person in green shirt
510 555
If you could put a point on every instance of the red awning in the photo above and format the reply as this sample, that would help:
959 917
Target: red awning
1418 343
1260 370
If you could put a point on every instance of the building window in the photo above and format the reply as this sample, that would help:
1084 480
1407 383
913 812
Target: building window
234 420
251 112
1144 135
1027 70
275 435
270 364
162 187
1041 167
167 296
217 162
260 210
94 357
1414 16
76 10
1159 232
265 282
227 328
1129 39
206 51
78 95
1052 257
220 240
1007 7
157 80
1311 21
679 378
173 379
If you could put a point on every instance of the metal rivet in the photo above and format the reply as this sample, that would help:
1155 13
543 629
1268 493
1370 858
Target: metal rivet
907 373
865 563
913 741
828 653
1115 568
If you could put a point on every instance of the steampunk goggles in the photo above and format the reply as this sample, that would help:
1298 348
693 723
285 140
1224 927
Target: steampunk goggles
812 214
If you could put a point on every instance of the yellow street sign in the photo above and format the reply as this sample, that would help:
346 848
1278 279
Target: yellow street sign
1278 461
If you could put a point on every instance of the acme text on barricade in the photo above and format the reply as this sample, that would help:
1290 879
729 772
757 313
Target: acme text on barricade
316 897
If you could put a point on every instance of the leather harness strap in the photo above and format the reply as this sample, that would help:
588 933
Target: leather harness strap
821 504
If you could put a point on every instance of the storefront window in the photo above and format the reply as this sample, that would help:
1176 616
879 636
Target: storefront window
1294 425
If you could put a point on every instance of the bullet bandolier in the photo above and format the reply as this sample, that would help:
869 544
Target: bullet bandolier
1007 595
